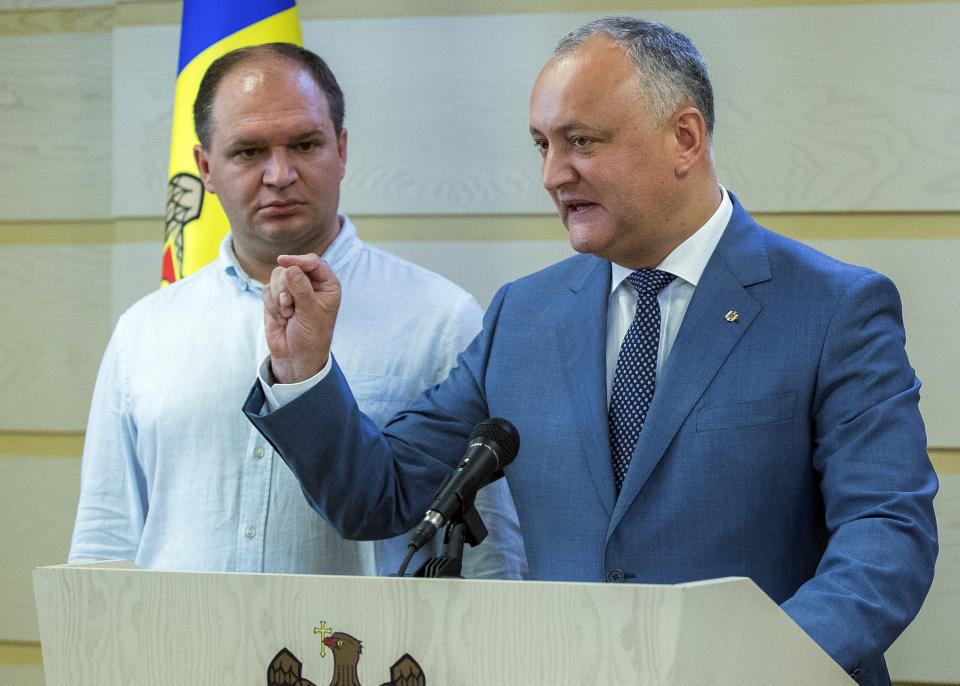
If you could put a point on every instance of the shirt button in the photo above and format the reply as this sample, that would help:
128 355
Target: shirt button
258 452
614 575
250 532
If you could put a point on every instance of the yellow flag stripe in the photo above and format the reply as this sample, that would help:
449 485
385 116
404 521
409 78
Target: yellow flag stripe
283 27
201 236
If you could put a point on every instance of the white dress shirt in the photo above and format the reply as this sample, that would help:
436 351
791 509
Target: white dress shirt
686 262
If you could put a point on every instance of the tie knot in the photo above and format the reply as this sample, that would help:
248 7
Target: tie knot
650 281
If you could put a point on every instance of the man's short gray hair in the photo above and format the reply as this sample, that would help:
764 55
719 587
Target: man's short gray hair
672 72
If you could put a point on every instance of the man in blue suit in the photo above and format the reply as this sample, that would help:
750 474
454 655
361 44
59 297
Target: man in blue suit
783 440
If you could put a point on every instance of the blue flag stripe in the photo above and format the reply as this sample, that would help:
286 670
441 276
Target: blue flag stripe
204 22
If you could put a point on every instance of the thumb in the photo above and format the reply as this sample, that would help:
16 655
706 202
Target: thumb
298 286
315 294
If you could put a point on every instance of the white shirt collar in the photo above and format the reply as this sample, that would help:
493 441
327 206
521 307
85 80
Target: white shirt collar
688 260
232 268
336 254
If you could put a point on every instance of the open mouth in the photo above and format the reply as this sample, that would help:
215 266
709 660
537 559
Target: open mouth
575 208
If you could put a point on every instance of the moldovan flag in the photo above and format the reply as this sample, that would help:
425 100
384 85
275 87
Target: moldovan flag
195 222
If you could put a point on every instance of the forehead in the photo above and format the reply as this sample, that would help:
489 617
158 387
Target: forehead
597 81
266 93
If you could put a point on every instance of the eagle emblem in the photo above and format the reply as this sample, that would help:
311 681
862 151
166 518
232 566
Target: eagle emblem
286 670
184 203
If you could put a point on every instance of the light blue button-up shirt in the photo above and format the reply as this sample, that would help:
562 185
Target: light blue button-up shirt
175 477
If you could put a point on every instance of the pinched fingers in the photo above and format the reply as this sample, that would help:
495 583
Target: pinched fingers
321 277
307 262
301 303
277 300
303 283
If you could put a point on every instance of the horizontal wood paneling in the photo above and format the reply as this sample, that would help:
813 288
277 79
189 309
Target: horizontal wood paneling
804 122
40 443
62 15
38 503
822 106
53 5
21 675
55 132
54 21
57 312
803 226
927 650
19 653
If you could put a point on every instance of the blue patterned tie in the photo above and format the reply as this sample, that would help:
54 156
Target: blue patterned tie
636 375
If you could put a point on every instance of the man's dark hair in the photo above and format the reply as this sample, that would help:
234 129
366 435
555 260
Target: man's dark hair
670 67
218 70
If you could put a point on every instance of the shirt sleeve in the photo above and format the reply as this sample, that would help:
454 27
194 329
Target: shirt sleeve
113 493
277 395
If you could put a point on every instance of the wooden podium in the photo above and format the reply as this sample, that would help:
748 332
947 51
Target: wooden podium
112 623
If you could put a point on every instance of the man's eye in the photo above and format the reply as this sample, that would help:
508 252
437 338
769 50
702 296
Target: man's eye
540 145
246 154
306 146
579 141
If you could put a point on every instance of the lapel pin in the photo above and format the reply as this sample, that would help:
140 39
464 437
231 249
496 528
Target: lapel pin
732 316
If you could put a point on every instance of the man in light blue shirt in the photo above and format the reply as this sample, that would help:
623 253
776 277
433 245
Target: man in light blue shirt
173 475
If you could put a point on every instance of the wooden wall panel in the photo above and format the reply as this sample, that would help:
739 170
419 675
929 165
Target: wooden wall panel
927 650
39 497
144 75
135 271
56 326
825 108
55 109
49 4
21 675
481 267
437 107
820 107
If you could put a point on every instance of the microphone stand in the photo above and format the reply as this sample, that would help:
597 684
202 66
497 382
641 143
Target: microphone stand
464 527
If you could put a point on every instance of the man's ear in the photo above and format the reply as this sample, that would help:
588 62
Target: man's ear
203 167
691 136
342 152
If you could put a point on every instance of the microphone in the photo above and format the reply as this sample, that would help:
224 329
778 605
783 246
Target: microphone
493 444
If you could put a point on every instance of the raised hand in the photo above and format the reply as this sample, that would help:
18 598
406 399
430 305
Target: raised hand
300 307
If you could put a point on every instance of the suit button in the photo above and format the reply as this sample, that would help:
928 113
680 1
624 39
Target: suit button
614 575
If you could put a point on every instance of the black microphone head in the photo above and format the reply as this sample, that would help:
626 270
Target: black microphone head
501 432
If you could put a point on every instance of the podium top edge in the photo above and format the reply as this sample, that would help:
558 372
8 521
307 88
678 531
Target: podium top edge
128 566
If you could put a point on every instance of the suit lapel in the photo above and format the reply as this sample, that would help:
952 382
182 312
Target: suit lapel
703 343
582 316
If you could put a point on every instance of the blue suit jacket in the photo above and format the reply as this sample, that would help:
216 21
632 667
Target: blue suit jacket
785 446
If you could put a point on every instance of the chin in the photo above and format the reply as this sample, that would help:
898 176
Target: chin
584 240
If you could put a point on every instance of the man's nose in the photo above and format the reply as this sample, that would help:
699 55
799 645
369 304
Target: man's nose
280 169
556 170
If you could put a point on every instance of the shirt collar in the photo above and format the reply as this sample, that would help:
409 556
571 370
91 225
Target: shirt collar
337 254
340 251
688 260
231 267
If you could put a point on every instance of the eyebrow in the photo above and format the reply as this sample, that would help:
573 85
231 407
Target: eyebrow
256 142
566 128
